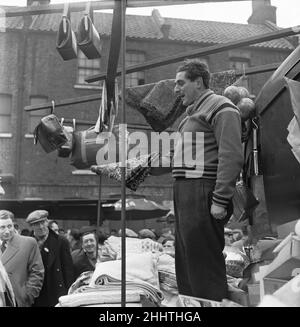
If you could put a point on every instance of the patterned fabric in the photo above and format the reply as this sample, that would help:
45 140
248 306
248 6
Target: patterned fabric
133 245
137 169
157 103
236 262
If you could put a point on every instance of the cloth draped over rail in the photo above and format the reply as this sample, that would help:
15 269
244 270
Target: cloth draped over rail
161 107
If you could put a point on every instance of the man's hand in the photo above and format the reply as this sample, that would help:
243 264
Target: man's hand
218 212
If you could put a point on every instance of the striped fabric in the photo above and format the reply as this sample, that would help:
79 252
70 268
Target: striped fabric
210 144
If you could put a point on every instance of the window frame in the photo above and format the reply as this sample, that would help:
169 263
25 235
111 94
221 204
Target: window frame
38 113
241 60
135 76
90 68
7 133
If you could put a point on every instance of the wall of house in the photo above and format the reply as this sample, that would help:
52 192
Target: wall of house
9 85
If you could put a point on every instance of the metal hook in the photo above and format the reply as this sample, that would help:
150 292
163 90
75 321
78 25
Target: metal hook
89 10
66 16
254 123
53 106
88 14
66 12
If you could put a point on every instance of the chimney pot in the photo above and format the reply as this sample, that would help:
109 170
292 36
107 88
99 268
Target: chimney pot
262 10
37 2
161 22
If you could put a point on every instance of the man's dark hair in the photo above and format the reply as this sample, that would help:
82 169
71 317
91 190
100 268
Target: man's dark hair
194 69
87 230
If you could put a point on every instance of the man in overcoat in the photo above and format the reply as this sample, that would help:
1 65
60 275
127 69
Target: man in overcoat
22 261
57 260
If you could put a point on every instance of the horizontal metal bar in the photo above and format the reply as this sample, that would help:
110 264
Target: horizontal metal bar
91 123
99 5
259 69
202 52
95 97
65 102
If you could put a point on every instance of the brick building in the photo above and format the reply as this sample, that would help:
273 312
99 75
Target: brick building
32 71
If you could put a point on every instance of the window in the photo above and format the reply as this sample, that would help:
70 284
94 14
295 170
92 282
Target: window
137 78
87 67
35 116
240 64
5 113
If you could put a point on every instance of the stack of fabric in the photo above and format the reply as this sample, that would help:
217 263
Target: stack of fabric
109 293
104 288
167 280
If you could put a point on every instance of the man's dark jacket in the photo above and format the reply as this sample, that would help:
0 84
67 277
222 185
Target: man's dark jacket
81 262
59 270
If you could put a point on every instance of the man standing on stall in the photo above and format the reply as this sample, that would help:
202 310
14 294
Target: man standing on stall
203 187
57 260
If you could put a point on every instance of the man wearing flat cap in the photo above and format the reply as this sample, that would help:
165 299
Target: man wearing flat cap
22 261
57 260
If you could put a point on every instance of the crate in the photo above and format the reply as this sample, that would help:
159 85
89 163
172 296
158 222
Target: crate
239 297
254 294
287 260
271 285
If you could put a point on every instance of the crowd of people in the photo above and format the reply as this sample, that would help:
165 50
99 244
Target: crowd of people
41 262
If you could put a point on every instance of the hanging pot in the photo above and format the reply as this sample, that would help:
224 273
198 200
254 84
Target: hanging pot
66 43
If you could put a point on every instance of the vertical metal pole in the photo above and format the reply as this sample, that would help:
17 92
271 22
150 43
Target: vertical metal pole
98 212
123 154
99 204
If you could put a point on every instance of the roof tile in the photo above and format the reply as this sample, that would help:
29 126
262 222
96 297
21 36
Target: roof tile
144 27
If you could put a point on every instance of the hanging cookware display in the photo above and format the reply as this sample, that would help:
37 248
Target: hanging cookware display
66 43
88 38
49 132
65 150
